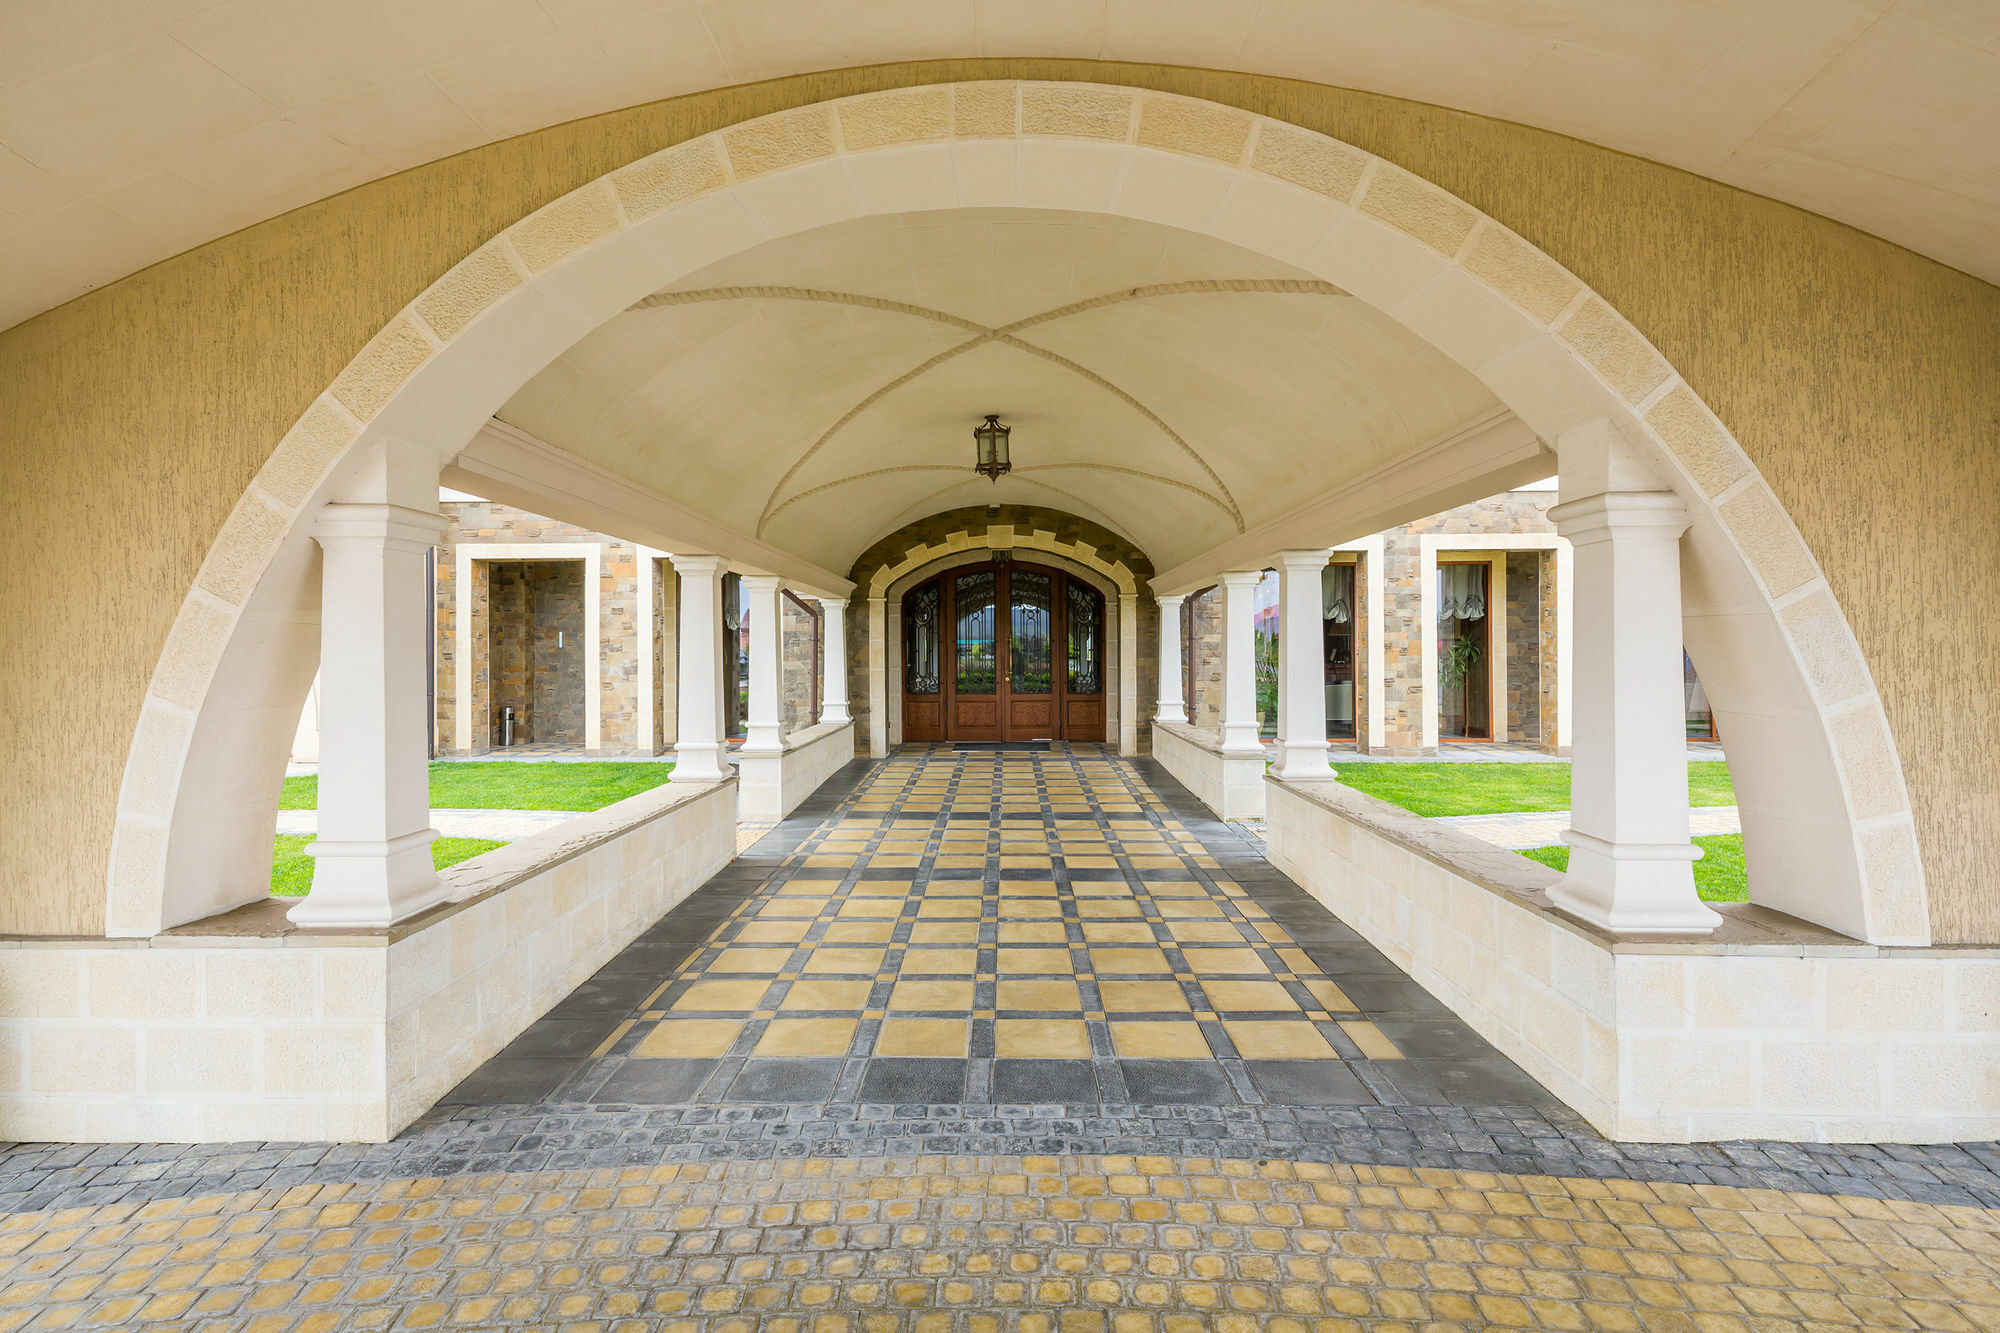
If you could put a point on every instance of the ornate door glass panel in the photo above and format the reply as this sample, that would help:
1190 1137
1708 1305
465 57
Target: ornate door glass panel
1029 647
977 665
920 646
1086 638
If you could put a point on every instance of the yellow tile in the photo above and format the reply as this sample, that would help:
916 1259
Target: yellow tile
942 1037
1205 932
1030 932
1276 1039
1041 1039
1249 996
1107 909
948 909
1034 960
722 996
881 862
1159 1041
859 932
772 932
1129 961
881 888
1038 996
1142 997
1371 1041
1187 910
1016 908
1027 888
844 960
688 1039
1118 932
1272 934
792 907
806 1036
750 960
1331 996
944 932
935 995
1091 862
837 996
1024 863
1298 961
948 962
953 888
1175 888
1100 888
1212 960
829 860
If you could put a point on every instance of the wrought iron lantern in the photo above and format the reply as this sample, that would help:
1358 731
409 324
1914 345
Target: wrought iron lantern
991 439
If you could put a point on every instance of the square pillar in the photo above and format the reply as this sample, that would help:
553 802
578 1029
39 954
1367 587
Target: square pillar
1302 748
1631 866
1173 708
1239 663
700 753
833 660
766 723
372 858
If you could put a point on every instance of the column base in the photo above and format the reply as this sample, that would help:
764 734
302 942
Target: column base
1633 888
370 884
1305 762
835 713
695 762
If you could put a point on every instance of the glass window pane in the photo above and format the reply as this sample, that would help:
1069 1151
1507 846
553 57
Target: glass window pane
1337 620
976 668
920 639
1264 638
1086 640
1462 630
1031 599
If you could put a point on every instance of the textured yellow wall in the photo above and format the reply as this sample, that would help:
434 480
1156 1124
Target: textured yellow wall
1864 381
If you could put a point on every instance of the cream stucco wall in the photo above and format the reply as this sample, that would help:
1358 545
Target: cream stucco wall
1861 380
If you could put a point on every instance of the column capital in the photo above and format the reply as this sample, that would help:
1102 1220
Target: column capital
762 582
1304 559
1174 600
836 604
1239 578
700 564
395 526
1611 514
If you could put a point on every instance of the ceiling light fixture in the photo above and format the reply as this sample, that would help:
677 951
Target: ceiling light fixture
991 439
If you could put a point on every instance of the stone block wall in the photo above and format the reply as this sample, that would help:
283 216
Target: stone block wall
1524 649
1205 638
556 657
799 674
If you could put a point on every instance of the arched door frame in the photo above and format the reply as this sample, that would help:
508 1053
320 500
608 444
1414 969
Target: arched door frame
1556 353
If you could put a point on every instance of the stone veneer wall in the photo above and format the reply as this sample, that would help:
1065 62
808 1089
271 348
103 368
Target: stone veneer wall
546 592
1364 683
1205 632
1524 648
666 656
973 521
796 678
1407 693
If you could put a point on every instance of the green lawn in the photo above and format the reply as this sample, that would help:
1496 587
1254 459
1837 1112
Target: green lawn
292 869
1433 790
1718 876
515 786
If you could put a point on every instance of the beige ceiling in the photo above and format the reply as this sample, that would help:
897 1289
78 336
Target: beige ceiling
133 129
821 391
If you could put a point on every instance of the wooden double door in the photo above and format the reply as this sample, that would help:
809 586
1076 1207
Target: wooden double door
1003 651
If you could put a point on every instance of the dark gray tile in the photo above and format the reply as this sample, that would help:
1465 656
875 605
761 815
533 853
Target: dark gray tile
1441 1038
653 959
1389 993
1498 1082
1044 1081
1338 960
913 1081
1308 1083
655 1082
576 1037
504 1080
1177 1083
784 1081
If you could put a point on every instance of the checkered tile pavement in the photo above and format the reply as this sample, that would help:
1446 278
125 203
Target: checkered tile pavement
1001 928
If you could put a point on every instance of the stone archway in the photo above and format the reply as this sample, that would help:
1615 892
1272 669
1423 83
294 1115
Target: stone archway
1552 350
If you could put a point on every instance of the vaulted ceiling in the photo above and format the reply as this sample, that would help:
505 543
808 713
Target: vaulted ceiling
133 129
821 391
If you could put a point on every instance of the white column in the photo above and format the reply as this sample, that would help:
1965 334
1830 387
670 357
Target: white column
372 859
766 724
700 752
833 660
1173 708
1302 749
1239 662
1630 863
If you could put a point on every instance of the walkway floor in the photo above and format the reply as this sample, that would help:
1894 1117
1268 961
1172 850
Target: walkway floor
998 1044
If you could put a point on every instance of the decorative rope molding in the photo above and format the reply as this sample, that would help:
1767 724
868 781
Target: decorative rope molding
1003 334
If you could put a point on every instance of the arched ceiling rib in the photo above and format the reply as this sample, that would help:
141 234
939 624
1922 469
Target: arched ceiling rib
816 389
129 132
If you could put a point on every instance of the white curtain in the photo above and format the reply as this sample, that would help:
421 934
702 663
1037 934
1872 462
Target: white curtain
1334 586
1462 592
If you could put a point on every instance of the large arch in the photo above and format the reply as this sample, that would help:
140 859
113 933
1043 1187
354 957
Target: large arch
1762 623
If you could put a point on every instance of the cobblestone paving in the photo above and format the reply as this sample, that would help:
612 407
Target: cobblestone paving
833 1211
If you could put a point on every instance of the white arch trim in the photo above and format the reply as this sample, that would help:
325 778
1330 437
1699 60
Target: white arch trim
1548 347
1002 537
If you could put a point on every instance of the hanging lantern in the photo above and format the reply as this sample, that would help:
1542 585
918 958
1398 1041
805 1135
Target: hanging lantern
991 439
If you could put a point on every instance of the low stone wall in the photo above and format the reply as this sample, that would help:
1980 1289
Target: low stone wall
773 785
243 1027
1230 785
1771 1028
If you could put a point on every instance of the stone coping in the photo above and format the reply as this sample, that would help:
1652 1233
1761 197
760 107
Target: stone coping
264 924
1209 741
1747 928
819 731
